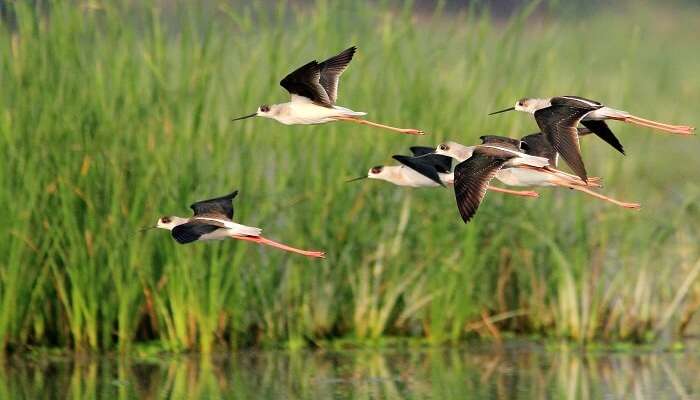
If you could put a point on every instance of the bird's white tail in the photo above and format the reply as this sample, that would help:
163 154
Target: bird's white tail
526 159
243 230
349 112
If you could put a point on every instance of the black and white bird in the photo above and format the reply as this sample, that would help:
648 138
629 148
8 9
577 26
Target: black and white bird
424 169
536 145
213 220
478 165
558 118
472 177
314 90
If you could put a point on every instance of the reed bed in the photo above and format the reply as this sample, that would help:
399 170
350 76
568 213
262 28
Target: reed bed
115 113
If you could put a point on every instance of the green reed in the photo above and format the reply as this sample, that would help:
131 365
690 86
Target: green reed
115 113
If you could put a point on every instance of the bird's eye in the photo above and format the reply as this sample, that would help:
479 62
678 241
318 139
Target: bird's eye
444 147
165 220
521 103
264 108
377 169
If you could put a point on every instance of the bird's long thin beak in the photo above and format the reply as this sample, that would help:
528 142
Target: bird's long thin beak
147 228
356 179
502 111
245 116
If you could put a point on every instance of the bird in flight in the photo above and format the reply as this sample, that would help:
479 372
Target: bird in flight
425 169
213 220
558 118
314 90
536 145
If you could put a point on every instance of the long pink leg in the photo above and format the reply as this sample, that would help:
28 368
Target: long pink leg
268 242
391 128
593 181
678 129
569 185
524 193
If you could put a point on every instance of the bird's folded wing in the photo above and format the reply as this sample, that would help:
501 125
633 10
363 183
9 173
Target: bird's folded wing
192 231
420 166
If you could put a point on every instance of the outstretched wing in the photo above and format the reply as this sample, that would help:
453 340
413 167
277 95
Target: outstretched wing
558 123
222 206
472 178
602 130
331 69
420 166
305 82
191 231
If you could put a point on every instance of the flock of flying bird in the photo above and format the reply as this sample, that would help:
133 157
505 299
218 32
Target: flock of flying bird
530 161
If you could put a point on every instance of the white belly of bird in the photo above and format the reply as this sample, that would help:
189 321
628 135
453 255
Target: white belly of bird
523 177
307 113
412 178
219 234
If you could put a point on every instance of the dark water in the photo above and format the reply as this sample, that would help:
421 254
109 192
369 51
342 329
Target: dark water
509 372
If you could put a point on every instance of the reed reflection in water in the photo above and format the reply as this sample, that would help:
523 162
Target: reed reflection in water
511 372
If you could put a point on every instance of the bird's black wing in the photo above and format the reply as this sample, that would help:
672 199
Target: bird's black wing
537 145
558 123
420 166
574 101
422 150
219 206
441 162
192 231
331 69
472 178
602 130
305 82
493 139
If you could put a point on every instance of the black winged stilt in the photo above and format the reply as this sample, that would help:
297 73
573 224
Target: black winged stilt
213 220
314 90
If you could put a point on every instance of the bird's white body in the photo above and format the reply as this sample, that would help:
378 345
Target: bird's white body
530 177
402 175
461 152
510 174
534 104
229 229
303 111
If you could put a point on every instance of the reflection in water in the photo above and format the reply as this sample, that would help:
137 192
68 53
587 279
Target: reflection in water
511 372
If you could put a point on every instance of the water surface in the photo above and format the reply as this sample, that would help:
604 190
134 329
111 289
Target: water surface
513 371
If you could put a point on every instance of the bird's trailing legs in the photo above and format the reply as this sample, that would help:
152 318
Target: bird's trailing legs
677 129
524 193
391 128
582 188
268 242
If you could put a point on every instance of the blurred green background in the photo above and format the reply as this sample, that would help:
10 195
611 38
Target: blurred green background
115 113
